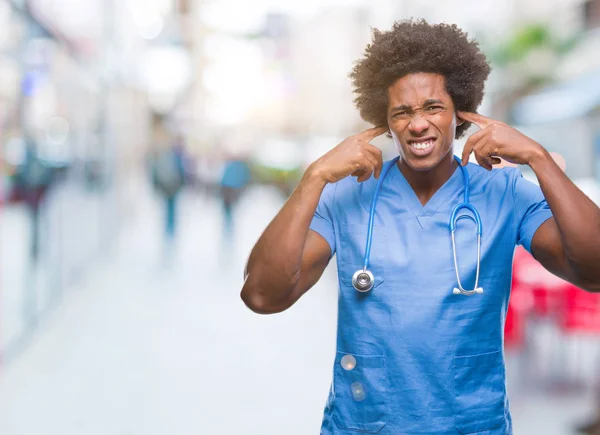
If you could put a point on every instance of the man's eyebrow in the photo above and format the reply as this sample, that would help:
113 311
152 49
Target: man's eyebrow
408 108
432 101
402 107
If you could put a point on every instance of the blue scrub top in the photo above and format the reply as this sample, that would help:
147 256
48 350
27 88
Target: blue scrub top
412 357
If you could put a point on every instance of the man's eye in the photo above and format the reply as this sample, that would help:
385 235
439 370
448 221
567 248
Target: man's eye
433 108
400 114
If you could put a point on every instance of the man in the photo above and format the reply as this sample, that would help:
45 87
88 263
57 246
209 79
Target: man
413 356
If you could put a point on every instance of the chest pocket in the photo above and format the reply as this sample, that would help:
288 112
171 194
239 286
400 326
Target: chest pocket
350 256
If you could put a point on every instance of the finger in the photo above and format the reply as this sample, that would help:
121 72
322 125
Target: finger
370 168
503 163
481 154
376 152
488 152
363 174
358 173
374 163
470 144
372 133
475 118
364 167
364 177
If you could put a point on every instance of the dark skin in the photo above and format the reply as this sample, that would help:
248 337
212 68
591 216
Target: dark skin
566 244
289 258
419 108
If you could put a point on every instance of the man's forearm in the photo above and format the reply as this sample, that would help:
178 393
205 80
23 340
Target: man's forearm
577 217
275 262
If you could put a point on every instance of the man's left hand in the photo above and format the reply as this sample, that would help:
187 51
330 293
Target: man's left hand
497 139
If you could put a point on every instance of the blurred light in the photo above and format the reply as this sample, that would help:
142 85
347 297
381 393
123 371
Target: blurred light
166 69
279 154
57 130
222 112
75 19
233 95
248 16
148 20
224 78
152 30
161 7
219 46
161 103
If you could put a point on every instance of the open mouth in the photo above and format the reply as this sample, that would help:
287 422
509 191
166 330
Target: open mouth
421 145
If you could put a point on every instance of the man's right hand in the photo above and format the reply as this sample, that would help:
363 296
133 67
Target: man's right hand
354 156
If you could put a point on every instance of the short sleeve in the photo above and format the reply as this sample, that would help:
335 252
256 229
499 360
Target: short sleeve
322 221
531 208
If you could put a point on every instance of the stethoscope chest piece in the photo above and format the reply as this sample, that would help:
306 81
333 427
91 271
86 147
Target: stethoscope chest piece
363 280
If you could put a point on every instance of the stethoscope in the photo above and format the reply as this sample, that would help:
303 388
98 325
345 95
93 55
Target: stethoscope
363 279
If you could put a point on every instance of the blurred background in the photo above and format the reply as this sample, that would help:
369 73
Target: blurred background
145 144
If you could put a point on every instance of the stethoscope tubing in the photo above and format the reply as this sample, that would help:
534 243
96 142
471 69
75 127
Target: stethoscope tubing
363 279
382 176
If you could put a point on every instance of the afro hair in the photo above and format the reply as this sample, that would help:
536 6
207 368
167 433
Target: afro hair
415 46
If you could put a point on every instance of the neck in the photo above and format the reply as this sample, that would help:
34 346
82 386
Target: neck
426 183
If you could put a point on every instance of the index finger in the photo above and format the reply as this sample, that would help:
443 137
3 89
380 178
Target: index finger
372 133
477 119
376 152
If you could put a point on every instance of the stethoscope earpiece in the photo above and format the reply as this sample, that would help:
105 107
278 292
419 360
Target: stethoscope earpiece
457 291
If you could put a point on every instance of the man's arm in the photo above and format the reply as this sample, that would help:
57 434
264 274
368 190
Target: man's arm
288 258
568 244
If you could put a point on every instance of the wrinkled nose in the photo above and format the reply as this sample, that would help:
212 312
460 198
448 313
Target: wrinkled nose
418 125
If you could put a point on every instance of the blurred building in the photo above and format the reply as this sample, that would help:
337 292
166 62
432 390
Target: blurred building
563 114
71 90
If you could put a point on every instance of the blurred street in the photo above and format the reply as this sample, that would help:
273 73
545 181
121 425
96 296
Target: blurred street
141 349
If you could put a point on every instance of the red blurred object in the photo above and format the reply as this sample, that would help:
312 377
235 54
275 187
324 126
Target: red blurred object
581 311
536 292
514 328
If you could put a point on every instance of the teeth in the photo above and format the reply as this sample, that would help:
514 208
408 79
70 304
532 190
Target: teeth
422 145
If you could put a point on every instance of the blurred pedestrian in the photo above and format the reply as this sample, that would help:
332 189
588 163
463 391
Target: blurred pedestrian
234 179
168 177
33 179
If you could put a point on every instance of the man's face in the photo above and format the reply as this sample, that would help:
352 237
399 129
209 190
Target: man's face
421 119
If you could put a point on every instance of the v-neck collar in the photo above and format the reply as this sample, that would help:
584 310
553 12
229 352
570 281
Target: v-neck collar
423 212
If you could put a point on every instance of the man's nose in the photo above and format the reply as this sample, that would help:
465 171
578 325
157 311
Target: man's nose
418 125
